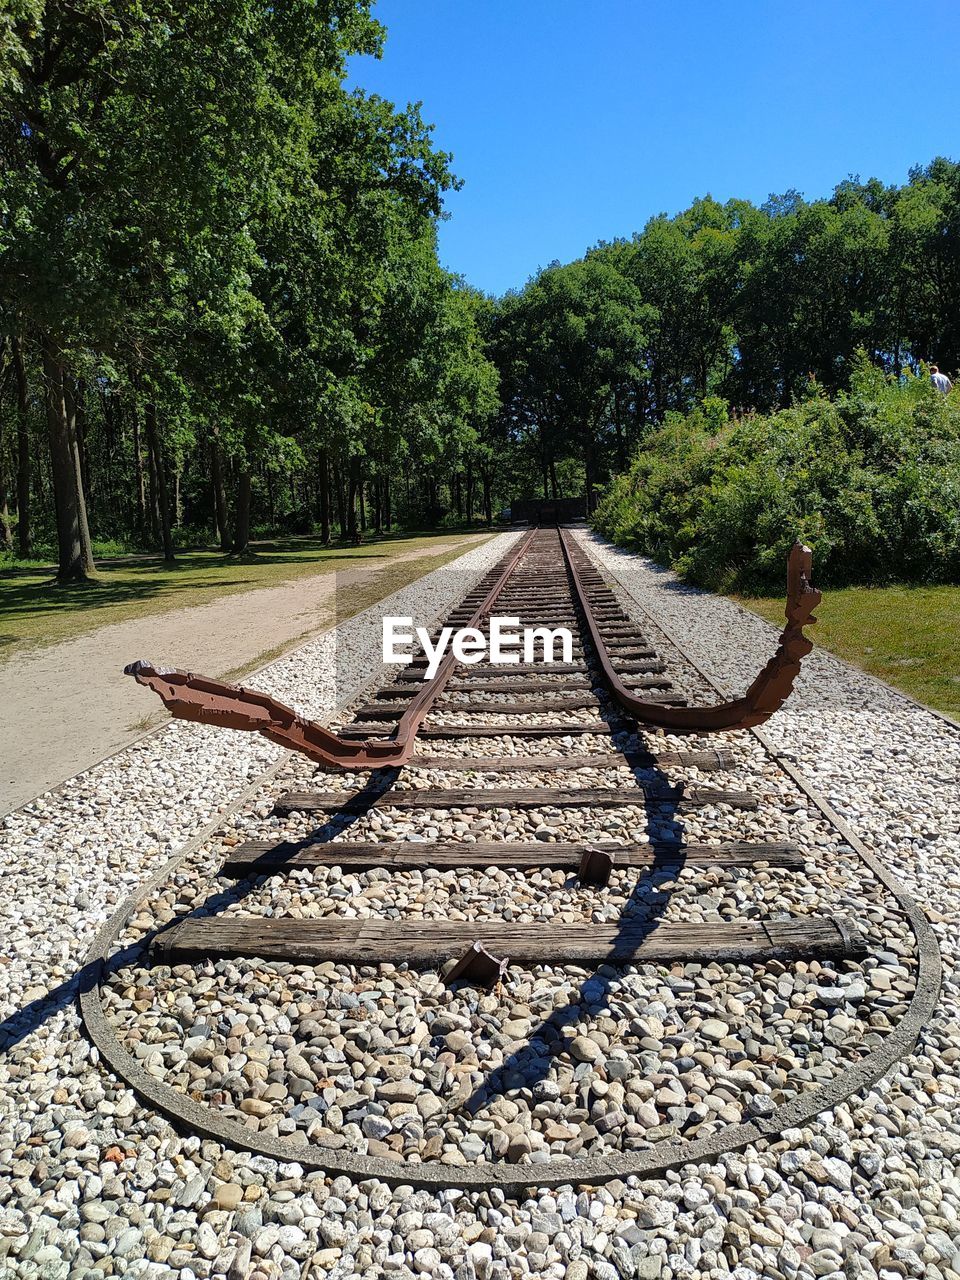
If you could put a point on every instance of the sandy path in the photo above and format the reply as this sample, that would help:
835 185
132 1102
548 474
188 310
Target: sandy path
68 705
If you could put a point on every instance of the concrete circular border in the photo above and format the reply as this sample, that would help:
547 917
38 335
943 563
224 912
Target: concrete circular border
198 1118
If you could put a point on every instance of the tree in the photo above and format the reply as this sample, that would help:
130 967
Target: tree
567 345
136 161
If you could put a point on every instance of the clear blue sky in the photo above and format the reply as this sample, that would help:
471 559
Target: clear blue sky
572 121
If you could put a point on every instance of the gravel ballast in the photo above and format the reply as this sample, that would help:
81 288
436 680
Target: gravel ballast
92 1184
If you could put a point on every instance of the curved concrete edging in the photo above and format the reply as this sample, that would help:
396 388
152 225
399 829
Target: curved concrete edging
184 1111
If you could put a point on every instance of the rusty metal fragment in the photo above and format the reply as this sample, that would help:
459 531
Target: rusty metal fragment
766 694
595 866
229 706
478 966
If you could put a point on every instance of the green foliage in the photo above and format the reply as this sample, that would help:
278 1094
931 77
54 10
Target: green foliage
565 347
203 228
870 479
750 304
228 263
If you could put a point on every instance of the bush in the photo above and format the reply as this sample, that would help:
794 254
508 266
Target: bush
870 480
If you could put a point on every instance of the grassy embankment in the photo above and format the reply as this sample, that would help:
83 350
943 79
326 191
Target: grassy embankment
34 610
907 636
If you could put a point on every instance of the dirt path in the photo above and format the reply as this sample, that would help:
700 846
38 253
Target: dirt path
68 705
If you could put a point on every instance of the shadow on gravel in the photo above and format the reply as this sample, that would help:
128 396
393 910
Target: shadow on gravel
528 1067
364 801
23 1022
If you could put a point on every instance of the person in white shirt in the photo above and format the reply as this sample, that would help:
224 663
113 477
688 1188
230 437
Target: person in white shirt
940 380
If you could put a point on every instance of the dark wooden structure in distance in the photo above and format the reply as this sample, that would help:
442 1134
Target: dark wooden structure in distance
547 510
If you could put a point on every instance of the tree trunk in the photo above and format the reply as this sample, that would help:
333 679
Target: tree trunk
219 496
324 469
141 485
377 506
387 513
24 540
487 497
470 491
156 537
271 504
352 532
75 554
341 504
76 397
241 540
6 528
111 452
82 502
163 502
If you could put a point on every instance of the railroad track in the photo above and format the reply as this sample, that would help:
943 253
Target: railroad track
535 838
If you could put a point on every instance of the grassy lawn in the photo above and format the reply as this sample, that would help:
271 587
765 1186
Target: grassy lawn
908 636
34 609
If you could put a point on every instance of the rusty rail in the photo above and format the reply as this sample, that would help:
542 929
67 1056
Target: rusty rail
228 706
213 702
766 694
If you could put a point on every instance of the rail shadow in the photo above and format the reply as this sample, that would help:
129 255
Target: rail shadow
23 1022
362 803
642 912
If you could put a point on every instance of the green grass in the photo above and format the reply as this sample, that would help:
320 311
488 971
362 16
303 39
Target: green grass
35 610
907 636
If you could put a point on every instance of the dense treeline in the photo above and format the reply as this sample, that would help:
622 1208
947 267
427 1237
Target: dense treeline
870 478
220 299
222 311
726 300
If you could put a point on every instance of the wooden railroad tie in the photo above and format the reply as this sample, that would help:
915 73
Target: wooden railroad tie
553 618
413 672
265 857
633 646
559 729
564 684
638 794
430 943
707 760
394 709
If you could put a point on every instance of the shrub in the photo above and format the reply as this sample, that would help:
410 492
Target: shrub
870 480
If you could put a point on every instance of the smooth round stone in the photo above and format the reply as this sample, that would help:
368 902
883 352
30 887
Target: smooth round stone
585 1050
228 1196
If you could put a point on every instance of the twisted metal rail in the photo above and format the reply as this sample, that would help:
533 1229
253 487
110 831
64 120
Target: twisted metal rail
227 706
766 694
